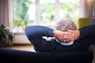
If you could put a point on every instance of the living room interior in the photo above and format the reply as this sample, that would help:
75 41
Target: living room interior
15 15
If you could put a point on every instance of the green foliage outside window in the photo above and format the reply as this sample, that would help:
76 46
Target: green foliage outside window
18 22
20 8
71 10
47 10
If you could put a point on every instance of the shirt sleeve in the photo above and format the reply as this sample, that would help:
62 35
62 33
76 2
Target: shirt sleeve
39 31
87 31
35 33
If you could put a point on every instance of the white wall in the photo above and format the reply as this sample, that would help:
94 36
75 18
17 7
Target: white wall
20 38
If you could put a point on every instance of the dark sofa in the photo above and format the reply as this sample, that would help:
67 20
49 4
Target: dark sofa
19 56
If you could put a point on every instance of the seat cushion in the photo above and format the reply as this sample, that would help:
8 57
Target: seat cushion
18 56
83 22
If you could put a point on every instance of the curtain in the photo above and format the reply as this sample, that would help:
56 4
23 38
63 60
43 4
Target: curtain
93 13
93 9
87 8
5 13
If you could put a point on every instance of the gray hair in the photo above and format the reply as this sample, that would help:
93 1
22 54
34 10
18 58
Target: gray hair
66 24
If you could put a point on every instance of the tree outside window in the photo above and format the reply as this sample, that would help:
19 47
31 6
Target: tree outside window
24 12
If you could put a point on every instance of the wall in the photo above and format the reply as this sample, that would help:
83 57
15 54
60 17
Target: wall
20 38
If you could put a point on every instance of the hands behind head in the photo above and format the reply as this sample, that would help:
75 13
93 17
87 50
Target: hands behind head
69 35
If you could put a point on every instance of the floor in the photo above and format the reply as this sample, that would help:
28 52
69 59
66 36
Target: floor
29 47
26 47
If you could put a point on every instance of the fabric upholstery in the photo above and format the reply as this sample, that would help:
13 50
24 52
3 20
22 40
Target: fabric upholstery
18 56
83 22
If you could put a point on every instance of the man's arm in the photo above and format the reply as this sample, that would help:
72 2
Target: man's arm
83 32
63 36
35 33
38 31
59 35
87 31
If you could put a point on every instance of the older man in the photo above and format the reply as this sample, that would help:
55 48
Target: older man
66 37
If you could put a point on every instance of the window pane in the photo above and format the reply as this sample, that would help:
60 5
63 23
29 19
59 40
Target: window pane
23 14
47 12
31 13
27 12
70 9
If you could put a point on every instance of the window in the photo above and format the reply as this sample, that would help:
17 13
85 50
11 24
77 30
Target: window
47 12
21 16
42 12
70 9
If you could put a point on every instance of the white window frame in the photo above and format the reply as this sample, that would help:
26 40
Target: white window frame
57 11
37 14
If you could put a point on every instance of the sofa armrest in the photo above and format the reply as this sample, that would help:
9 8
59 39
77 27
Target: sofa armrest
18 56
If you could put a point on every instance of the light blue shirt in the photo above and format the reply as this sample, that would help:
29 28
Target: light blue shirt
65 43
62 43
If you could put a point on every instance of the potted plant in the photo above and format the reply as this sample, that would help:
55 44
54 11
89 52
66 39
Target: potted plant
6 36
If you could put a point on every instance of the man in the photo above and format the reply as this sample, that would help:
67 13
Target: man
66 37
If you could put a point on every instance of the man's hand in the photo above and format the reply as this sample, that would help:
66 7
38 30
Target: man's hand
69 35
64 36
59 35
76 33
